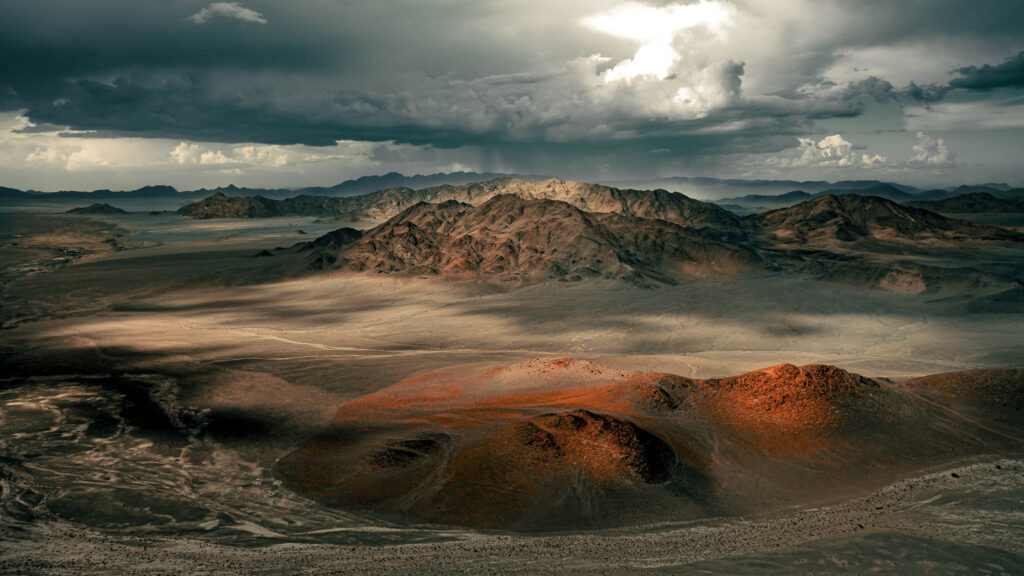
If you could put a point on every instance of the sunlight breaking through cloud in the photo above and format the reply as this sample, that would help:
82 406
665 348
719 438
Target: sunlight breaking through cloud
658 29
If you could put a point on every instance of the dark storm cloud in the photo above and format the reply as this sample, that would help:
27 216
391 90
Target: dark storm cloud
875 87
984 78
347 39
1009 74
872 23
316 72
884 91
516 77
68 40
525 115
41 128
924 94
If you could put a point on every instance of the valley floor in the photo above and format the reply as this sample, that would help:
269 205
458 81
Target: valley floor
961 520
215 329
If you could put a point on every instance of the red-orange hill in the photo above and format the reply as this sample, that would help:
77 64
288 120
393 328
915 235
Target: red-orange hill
519 445
779 400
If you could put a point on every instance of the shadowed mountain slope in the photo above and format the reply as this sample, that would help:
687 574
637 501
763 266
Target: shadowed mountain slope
755 201
513 239
97 208
871 242
653 204
219 205
772 201
385 204
849 217
854 240
974 203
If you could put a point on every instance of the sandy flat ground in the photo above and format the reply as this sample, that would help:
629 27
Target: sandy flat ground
243 333
960 520
203 293
710 327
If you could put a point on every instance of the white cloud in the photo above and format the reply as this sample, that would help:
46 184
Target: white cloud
830 151
931 152
874 161
668 77
84 154
657 28
227 10
262 155
837 157
95 155
256 155
47 155
214 157
186 153
713 87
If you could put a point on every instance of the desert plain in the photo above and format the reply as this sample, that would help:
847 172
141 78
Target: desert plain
193 396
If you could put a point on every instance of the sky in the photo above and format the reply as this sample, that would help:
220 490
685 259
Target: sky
123 93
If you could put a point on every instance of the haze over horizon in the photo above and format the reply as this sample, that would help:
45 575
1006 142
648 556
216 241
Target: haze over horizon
197 94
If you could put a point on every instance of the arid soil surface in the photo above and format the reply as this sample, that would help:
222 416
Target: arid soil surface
963 520
153 398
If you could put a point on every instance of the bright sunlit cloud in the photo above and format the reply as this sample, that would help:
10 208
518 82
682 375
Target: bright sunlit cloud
658 28
831 151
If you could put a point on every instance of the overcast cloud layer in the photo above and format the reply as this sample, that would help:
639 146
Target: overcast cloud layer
119 93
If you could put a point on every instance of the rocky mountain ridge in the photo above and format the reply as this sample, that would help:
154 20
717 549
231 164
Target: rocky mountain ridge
848 238
515 239
850 217
385 204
